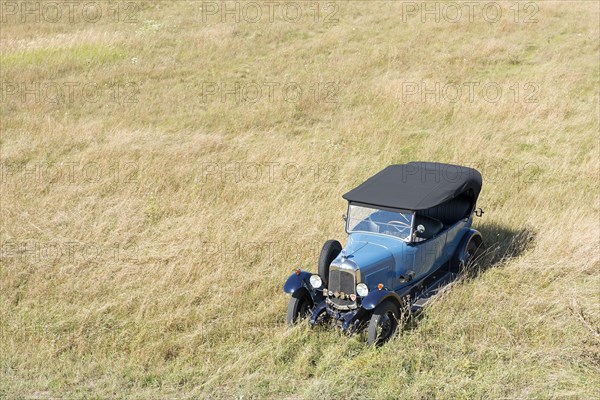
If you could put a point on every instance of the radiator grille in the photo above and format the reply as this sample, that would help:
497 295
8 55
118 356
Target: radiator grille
341 281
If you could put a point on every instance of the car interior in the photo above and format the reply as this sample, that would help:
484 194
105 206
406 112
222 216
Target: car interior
379 222
434 219
441 217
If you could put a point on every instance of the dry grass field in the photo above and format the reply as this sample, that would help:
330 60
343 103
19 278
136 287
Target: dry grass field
167 164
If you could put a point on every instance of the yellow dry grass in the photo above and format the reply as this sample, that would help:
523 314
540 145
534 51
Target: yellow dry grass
147 229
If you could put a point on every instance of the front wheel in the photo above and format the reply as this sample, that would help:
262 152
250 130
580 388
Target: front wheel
384 323
298 308
321 319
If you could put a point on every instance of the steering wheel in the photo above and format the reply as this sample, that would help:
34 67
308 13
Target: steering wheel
402 225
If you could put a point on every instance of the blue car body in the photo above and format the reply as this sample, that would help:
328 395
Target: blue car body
397 264
384 259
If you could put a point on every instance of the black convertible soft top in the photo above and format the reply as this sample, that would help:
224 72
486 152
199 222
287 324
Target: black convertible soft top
417 186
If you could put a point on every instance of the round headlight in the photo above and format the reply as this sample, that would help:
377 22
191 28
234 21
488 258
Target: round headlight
362 289
315 281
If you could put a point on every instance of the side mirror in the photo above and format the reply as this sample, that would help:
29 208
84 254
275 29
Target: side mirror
344 217
420 229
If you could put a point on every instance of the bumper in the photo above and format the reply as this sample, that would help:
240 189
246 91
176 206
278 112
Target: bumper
349 321
352 320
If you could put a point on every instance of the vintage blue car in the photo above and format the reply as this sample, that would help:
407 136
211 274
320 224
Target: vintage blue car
409 235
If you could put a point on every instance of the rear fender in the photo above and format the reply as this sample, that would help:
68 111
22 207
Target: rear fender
459 256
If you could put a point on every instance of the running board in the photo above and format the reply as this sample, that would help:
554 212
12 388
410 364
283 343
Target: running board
433 289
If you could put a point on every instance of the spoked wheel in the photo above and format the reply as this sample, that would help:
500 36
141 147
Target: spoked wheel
298 309
383 324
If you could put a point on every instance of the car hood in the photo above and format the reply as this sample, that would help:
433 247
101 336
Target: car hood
366 251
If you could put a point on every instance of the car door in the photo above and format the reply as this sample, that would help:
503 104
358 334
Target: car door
429 254
453 237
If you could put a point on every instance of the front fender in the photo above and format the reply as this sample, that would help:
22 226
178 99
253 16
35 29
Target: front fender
299 284
376 297
295 282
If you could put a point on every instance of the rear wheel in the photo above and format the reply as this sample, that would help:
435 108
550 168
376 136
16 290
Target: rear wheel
461 260
329 252
471 252
383 324
298 309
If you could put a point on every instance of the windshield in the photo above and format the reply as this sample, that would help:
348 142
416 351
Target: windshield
391 223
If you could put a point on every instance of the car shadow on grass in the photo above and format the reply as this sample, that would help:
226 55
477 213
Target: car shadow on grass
500 245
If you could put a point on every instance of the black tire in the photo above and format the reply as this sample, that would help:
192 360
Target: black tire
329 252
471 252
383 324
298 308
461 260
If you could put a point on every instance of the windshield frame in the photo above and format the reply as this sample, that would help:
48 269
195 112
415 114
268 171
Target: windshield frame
408 239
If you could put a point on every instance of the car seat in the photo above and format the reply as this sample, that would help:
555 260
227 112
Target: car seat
450 212
432 226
